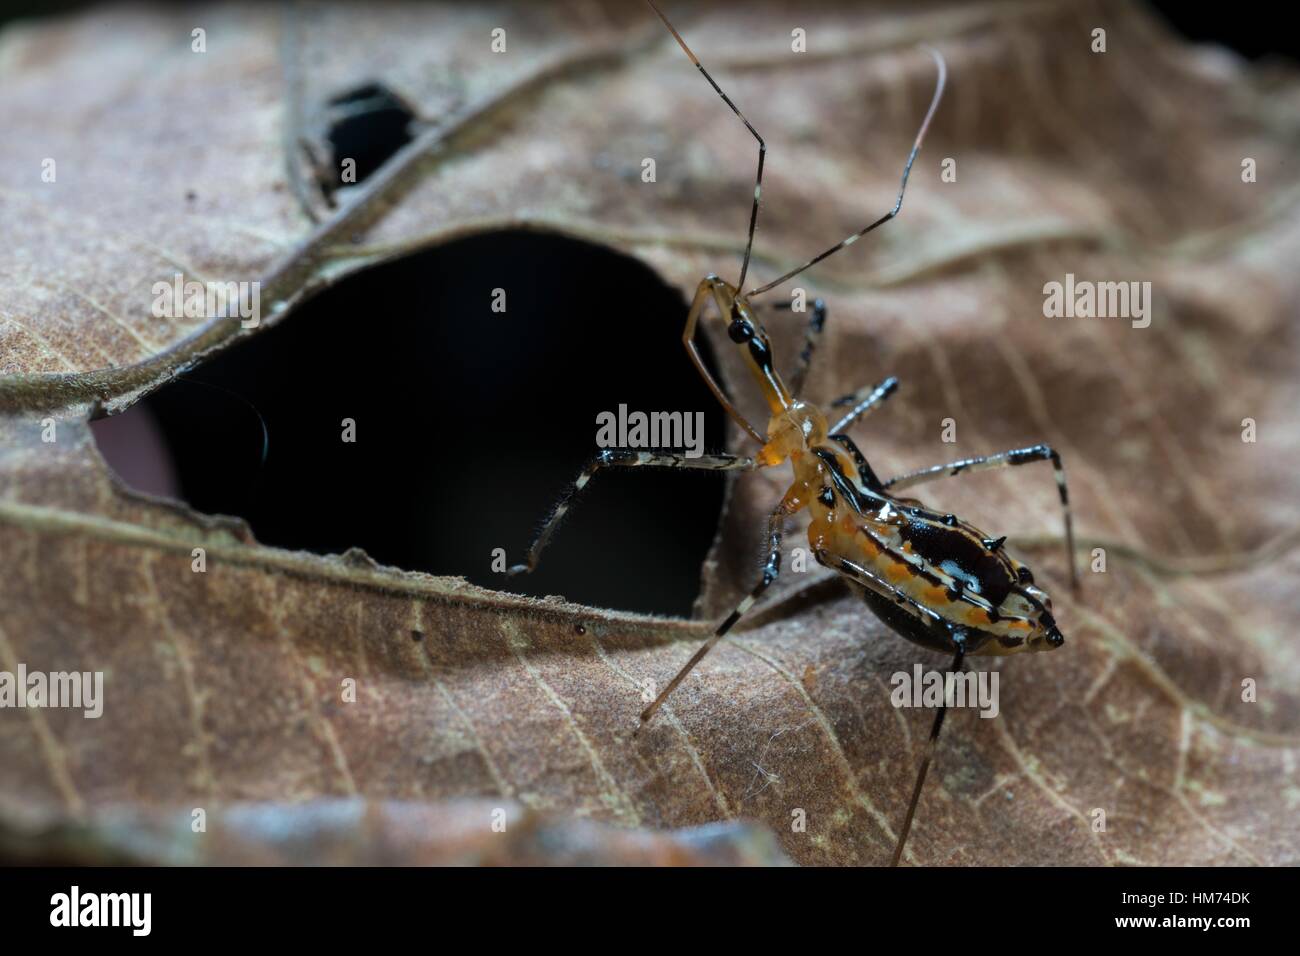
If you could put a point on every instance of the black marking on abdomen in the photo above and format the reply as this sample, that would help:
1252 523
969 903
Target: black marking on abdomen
938 544
910 626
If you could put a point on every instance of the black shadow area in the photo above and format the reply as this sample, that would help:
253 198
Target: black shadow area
469 423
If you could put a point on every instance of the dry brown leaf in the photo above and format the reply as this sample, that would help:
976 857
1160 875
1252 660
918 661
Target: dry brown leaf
223 687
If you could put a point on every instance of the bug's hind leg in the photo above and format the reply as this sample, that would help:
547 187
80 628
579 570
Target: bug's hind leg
621 458
1017 456
958 640
930 746
770 571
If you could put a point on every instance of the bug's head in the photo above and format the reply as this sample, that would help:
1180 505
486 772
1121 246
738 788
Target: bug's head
793 431
1036 605
754 346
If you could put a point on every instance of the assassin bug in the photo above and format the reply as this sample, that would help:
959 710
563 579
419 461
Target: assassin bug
931 577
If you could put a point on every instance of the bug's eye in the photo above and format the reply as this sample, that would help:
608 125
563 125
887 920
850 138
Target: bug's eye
1025 576
740 331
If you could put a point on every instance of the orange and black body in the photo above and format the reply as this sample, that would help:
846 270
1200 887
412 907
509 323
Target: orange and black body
935 579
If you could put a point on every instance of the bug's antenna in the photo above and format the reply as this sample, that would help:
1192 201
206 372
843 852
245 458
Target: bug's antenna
925 761
898 204
762 146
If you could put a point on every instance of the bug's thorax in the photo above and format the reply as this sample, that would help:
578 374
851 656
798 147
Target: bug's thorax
792 433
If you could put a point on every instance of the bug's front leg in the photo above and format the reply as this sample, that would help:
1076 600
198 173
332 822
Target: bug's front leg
862 401
812 336
622 458
771 569
708 287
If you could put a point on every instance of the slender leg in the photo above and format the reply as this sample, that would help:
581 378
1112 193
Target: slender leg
813 334
621 458
956 634
930 746
1018 456
770 571
863 401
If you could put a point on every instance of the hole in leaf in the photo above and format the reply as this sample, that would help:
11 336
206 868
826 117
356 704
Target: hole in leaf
469 423
371 124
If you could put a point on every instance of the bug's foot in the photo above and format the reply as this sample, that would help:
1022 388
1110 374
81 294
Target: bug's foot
644 718
518 569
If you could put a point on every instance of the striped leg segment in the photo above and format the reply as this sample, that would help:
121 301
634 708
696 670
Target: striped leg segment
812 336
621 458
770 571
862 401
865 472
930 746
1018 456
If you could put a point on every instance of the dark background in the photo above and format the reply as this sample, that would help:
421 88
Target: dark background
1253 29
470 424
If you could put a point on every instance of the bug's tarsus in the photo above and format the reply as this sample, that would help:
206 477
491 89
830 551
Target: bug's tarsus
680 676
762 146
930 746
898 203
